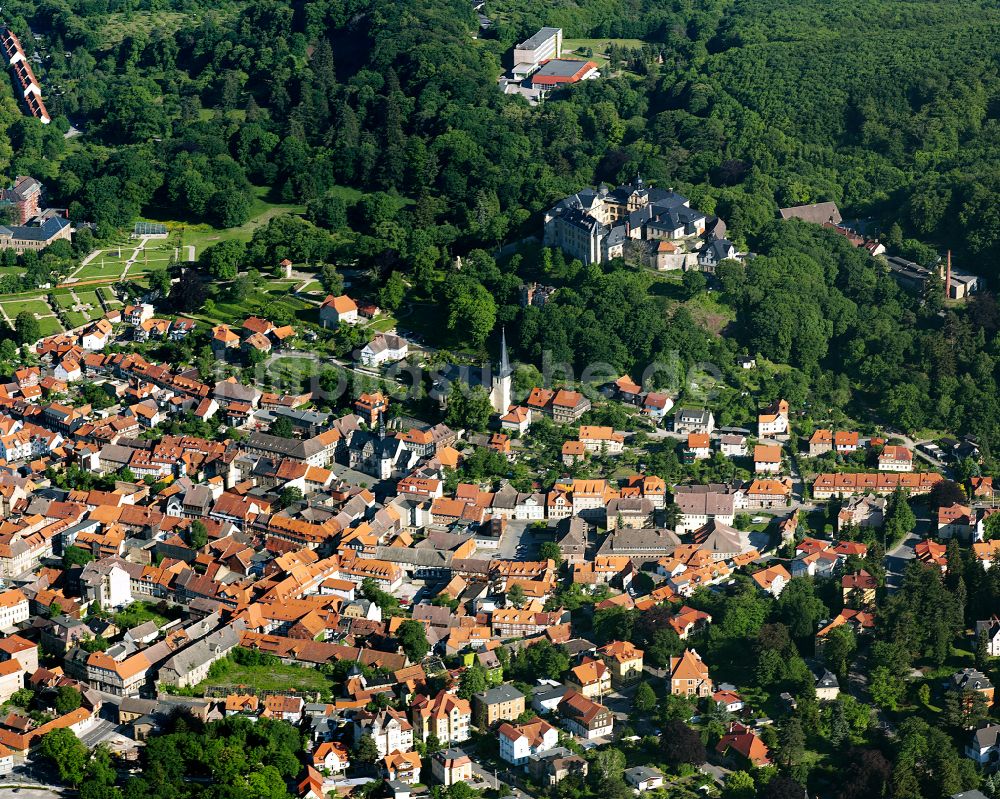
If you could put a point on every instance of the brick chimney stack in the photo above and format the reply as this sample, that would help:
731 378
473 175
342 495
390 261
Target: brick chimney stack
947 279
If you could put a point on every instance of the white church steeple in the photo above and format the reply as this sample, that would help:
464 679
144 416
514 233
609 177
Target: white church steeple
500 393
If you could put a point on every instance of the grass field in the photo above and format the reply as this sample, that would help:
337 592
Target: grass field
293 373
271 295
37 295
571 48
110 300
109 265
140 267
138 613
116 26
49 326
63 298
14 307
261 212
89 297
110 269
382 324
76 319
272 678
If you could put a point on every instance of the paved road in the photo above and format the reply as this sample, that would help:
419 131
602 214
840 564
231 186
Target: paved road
35 774
100 732
798 486
897 558
495 782
857 686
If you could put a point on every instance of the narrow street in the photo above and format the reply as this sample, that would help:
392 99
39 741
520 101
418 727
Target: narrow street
493 780
898 558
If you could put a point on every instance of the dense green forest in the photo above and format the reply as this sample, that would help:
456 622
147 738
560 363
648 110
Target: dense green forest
888 108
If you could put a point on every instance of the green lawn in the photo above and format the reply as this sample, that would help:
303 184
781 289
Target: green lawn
292 373
34 294
109 298
272 295
599 47
48 326
709 312
63 298
14 307
261 212
117 26
138 613
347 193
272 678
110 268
140 267
89 297
381 324
76 319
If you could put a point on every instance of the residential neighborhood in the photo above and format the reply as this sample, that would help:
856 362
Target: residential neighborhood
434 614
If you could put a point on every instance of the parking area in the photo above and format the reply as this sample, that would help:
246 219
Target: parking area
519 542
29 791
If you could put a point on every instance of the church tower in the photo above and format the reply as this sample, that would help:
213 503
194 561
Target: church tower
500 394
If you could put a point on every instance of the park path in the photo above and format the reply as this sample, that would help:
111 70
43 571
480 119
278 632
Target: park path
133 258
80 307
86 260
71 277
91 256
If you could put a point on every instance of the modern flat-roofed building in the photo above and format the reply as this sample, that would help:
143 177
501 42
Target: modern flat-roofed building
529 54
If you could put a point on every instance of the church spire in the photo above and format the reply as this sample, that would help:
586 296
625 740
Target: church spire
505 369
500 389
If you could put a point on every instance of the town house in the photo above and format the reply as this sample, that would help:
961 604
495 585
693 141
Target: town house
446 716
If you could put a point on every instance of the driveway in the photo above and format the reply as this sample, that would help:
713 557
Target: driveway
717 773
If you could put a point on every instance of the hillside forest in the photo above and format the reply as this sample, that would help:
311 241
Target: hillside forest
888 108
